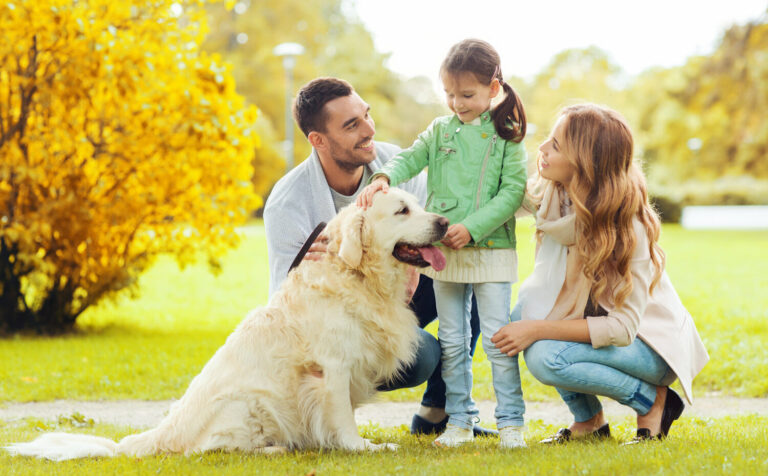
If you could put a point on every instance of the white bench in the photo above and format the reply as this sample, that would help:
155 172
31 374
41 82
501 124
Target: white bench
739 217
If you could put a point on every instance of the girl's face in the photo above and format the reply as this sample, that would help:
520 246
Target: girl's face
553 165
466 96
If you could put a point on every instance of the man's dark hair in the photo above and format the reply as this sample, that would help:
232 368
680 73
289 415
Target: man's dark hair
309 105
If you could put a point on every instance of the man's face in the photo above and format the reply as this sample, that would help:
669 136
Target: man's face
349 132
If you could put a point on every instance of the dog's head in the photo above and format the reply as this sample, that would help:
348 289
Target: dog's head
395 224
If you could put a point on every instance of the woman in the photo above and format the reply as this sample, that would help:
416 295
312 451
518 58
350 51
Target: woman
599 282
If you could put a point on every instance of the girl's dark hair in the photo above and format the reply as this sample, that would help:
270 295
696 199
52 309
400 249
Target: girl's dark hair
481 59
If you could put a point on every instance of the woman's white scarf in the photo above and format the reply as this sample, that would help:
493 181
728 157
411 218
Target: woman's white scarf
557 289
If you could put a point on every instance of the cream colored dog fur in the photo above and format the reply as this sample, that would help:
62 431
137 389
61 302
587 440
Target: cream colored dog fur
292 373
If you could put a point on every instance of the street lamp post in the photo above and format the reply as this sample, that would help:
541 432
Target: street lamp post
288 51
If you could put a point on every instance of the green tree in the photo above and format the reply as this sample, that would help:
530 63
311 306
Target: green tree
572 76
336 44
708 119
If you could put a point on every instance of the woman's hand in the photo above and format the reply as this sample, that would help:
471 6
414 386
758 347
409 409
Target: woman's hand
516 336
456 237
379 184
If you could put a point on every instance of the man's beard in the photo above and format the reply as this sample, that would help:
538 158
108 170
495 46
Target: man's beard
346 159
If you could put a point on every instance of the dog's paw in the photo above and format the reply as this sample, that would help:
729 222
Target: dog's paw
272 450
383 446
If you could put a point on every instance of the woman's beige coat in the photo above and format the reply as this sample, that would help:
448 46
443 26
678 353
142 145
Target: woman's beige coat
658 318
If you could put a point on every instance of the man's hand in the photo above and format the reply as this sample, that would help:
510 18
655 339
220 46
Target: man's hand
379 184
456 237
318 248
516 336
412 283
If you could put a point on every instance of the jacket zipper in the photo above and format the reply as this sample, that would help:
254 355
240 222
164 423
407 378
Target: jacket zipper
482 172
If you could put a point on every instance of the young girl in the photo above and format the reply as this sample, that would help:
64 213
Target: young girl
476 178
599 282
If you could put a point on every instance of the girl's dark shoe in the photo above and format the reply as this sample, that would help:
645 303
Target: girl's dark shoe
565 435
673 408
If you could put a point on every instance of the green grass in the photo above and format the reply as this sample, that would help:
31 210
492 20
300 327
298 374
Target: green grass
734 445
722 278
152 346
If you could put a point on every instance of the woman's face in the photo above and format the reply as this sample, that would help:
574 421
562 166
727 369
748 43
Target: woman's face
553 165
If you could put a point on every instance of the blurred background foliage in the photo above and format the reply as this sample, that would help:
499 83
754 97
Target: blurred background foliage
699 127
336 44
137 122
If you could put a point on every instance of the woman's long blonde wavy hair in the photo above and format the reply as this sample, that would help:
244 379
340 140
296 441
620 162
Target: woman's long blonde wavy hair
608 191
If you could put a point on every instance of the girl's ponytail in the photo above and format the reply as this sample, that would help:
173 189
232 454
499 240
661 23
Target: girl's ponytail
481 59
509 116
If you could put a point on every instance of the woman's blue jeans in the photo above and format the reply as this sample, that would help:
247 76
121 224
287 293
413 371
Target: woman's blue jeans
580 372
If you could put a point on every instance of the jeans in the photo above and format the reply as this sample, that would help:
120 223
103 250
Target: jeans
580 372
453 306
426 365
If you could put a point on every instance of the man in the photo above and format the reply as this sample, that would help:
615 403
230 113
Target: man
338 125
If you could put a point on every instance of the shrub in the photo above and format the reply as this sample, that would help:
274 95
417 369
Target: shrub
669 210
119 140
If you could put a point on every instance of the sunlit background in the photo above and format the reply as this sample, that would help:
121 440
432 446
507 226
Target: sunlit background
634 35
133 129
691 77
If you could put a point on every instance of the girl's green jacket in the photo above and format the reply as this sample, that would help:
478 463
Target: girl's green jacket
474 177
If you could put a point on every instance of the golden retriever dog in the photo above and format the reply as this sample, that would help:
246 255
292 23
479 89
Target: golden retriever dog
292 373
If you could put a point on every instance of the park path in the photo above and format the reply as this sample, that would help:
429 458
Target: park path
143 414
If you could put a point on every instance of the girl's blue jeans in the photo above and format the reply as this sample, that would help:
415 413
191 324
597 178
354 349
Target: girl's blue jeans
580 372
426 366
453 309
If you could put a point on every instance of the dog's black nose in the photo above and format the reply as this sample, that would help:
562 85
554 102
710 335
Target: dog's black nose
441 226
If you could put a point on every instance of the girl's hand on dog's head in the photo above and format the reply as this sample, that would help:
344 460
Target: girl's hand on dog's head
365 199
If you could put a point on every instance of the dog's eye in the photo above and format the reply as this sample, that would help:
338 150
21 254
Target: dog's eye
403 211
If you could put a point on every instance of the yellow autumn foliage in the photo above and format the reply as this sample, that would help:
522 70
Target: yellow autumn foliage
119 140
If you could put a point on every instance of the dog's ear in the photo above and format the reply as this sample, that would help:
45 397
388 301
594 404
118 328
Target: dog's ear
352 244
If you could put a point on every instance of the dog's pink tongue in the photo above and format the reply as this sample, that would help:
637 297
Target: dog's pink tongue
433 256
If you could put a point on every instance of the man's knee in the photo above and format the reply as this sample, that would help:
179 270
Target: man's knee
428 352
421 368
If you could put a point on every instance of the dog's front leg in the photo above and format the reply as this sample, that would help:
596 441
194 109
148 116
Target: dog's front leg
338 412
341 416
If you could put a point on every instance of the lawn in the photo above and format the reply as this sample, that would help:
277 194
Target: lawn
697 446
150 347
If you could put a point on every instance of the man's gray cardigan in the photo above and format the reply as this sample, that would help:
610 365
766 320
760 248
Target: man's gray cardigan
302 199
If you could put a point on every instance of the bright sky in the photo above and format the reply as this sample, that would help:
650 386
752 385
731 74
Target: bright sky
527 34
